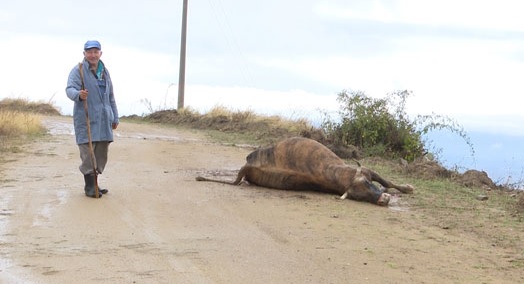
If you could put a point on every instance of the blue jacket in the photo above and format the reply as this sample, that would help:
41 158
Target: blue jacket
102 108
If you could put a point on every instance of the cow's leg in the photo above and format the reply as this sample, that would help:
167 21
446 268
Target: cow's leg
404 188
383 200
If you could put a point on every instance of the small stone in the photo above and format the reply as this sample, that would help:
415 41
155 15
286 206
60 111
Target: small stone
482 197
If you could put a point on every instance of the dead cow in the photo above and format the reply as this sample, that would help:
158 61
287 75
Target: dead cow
304 164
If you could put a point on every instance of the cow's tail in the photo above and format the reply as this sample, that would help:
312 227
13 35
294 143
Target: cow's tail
200 178
237 181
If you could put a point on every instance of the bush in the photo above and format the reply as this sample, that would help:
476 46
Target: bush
381 126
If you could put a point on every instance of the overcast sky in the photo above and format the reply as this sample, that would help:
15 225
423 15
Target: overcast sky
463 59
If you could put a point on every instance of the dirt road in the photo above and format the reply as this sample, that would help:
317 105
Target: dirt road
158 225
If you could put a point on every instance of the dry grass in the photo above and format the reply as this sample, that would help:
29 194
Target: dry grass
19 121
16 128
27 106
235 126
16 124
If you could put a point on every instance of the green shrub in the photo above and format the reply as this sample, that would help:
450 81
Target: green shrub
381 126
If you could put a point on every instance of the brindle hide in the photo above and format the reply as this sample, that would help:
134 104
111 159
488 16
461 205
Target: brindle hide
304 164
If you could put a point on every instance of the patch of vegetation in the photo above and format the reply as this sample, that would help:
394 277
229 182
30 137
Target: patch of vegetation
26 106
19 121
235 126
382 127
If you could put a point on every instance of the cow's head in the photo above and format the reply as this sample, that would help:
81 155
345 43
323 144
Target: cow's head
364 190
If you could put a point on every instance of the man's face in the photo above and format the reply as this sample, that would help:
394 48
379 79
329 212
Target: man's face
92 56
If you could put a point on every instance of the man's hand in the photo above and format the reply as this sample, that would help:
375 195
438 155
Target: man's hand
114 125
83 95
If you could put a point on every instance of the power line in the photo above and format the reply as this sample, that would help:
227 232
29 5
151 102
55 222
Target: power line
230 40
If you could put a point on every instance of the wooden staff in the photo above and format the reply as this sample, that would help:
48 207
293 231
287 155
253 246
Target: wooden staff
91 151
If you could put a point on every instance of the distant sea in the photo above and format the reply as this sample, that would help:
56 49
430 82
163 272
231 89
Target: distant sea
501 156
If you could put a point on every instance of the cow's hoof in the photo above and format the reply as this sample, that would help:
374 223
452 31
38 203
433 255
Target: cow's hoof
383 200
409 188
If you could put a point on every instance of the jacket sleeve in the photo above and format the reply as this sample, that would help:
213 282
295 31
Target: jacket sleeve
74 84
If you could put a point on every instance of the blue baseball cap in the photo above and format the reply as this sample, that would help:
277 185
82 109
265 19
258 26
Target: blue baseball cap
92 44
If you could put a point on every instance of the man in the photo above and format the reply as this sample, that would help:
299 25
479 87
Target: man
93 85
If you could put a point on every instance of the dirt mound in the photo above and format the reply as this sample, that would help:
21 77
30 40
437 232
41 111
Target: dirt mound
428 170
431 169
474 178
165 116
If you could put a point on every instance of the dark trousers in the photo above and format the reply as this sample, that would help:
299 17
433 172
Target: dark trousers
101 149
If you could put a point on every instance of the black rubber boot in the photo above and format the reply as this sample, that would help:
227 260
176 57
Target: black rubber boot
89 187
103 190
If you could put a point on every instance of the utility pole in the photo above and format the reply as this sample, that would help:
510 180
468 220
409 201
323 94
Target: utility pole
182 73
